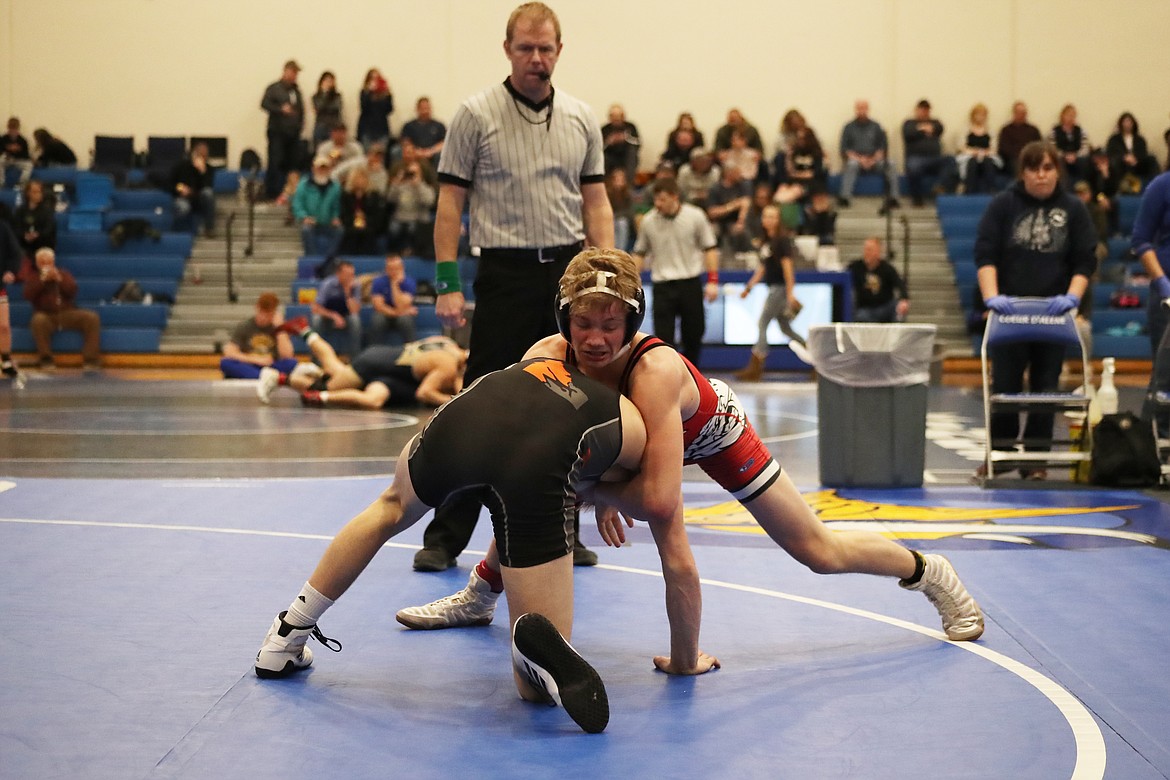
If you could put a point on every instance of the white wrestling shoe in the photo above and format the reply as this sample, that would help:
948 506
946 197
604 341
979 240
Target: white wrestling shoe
543 657
284 651
268 381
475 605
961 617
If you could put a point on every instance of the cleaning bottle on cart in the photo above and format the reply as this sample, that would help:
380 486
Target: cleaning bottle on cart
1107 392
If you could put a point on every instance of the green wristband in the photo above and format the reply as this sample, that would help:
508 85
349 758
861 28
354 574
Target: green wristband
447 277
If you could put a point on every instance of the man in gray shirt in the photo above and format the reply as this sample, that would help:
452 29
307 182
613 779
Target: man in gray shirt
677 243
864 149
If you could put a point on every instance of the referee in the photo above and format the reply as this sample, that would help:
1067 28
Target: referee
531 159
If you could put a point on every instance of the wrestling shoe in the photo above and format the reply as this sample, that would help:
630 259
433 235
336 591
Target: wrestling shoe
961 617
296 326
8 368
269 380
475 605
312 398
550 664
284 651
583 556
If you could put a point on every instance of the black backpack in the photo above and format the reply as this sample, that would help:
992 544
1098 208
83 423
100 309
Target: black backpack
1125 453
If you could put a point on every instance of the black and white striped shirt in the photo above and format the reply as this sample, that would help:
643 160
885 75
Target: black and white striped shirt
523 168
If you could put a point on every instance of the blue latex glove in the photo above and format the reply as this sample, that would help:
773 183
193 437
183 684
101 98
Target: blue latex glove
1000 304
1059 304
1161 287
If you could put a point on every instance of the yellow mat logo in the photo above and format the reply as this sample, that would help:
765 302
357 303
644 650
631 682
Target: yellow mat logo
901 521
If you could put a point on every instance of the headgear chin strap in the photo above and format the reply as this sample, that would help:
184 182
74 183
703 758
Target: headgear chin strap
601 284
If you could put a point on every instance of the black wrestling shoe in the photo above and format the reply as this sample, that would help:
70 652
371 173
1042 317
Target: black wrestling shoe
550 664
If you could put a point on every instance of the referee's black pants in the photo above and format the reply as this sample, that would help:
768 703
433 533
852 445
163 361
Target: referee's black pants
515 299
680 300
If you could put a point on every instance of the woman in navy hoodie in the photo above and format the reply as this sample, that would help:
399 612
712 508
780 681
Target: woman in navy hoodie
1035 240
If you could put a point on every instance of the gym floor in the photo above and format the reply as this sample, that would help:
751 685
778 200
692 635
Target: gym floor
150 529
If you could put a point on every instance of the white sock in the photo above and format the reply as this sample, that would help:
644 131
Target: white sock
311 335
307 608
324 396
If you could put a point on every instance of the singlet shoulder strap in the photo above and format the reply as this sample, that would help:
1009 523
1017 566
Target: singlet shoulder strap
636 353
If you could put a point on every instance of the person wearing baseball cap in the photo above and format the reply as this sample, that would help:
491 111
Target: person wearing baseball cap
286 118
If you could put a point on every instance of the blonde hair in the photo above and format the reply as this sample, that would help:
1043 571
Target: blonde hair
581 275
537 13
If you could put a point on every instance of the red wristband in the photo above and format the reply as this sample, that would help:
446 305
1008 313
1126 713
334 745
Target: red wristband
712 277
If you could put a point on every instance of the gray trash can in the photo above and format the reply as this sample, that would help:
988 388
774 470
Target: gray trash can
871 402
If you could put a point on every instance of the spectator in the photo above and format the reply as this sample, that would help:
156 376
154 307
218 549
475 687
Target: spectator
697 177
327 107
192 184
35 221
392 296
425 132
735 121
804 161
754 220
1104 182
681 141
922 141
727 205
340 148
621 142
864 150
819 218
741 156
10 262
286 119
409 154
258 342
52 151
363 216
316 207
14 153
621 200
879 293
373 163
790 123
1014 136
1128 153
338 307
678 245
413 199
377 103
53 292
977 167
1035 239
1073 143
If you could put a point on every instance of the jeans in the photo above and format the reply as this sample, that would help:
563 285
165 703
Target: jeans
853 170
886 312
919 168
205 206
381 325
318 239
350 342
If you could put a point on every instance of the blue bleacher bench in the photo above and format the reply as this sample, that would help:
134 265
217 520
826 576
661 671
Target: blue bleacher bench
124 266
94 242
961 205
113 340
127 315
159 218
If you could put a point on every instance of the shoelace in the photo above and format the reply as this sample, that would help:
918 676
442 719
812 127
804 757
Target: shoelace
326 640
